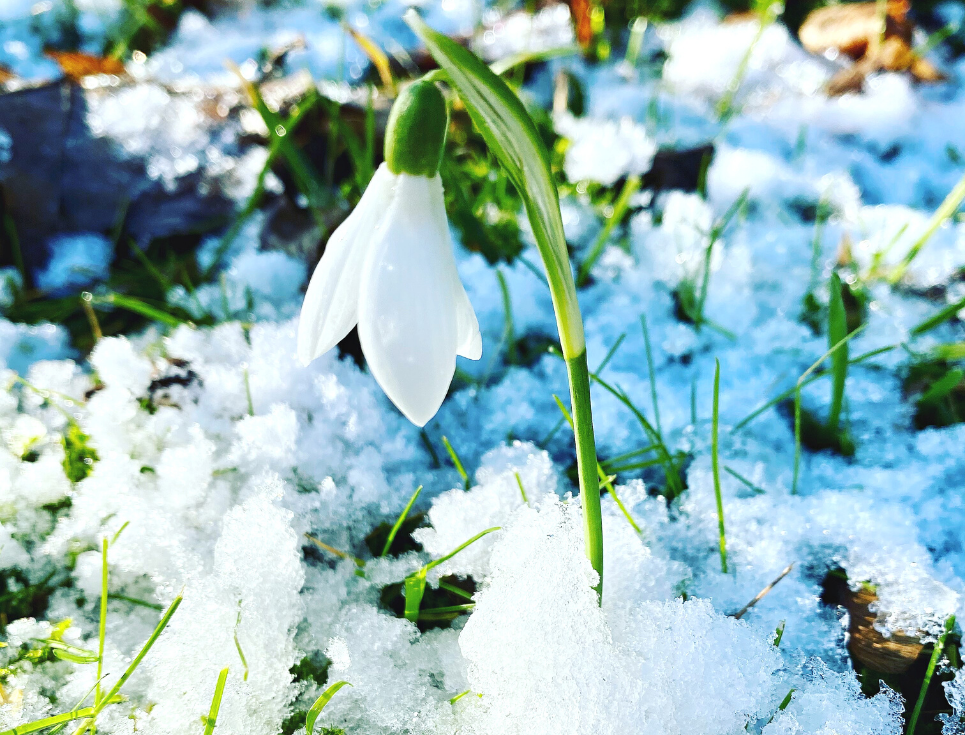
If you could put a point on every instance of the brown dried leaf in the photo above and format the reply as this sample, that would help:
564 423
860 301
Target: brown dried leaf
847 81
869 647
924 71
76 65
853 28
580 11
6 75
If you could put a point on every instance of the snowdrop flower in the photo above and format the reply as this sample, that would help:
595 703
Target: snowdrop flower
390 269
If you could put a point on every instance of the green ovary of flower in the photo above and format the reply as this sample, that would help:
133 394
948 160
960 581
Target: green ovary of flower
416 131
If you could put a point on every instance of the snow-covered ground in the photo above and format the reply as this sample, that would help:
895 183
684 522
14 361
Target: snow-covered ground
216 452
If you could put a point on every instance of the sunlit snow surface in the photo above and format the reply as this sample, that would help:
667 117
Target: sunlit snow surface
215 494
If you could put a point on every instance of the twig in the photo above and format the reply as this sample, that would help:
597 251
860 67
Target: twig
760 595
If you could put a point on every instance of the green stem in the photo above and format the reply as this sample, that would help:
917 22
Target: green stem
102 628
579 377
936 654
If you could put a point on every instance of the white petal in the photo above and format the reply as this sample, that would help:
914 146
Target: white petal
469 341
330 309
408 322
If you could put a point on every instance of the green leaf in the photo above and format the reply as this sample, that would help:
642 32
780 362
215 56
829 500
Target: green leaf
415 588
837 331
319 705
943 386
510 134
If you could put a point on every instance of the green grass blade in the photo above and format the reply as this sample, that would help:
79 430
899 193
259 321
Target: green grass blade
102 625
837 331
937 319
415 584
43 724
415 589
138 307
715 465
651 373
611 352
522 490
944 212
936 654
456 462
316 709
797 400
779 634
162 624
743 480
211 720
459 548
811 378
943 386
399 521
509 328
715 234
630 187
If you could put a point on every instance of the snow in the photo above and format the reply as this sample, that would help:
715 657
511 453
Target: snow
217 452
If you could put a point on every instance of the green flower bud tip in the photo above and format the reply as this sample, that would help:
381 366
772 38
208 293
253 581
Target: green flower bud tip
416 133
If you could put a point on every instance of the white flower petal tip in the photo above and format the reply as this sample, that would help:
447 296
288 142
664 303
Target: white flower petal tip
411 319
330 309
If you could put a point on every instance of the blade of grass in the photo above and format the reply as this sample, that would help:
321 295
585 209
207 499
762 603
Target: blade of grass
620 206
944 212
797 402
437 613
651 373
744 480
937 319
46 722
137 306
399 521
715 233
241 653
376 55
332 550
509 328
670 468
319 705
522 490
455 590
304 175
415 583
943 386
95 326
457 462
211 720
816 376
936 654
779 634
767 12
715 465
102 625
837 331
110 696
611 352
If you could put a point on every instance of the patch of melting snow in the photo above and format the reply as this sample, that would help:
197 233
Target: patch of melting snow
217 451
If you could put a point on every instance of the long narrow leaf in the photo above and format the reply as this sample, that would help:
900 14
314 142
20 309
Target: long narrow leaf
837 331
510 134
319 705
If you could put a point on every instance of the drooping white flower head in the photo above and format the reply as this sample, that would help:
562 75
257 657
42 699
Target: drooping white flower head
390 269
